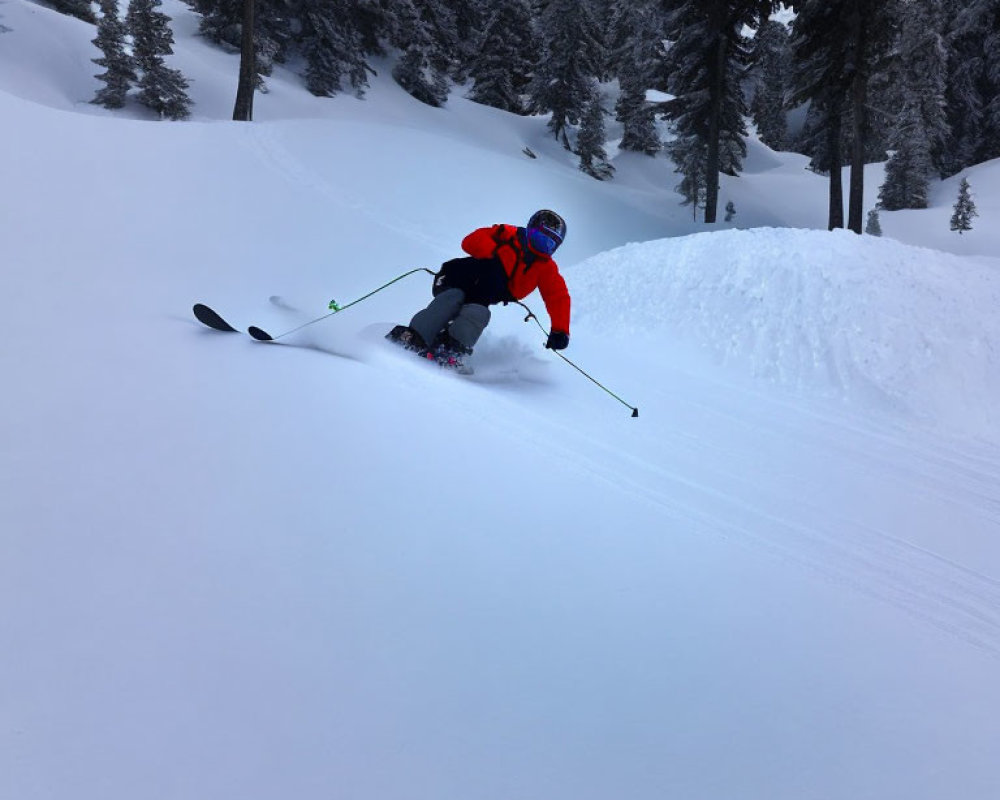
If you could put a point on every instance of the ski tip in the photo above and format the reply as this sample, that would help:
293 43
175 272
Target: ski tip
206 316
259 335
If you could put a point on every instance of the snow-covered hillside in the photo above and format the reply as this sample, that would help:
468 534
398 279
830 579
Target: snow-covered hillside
328 570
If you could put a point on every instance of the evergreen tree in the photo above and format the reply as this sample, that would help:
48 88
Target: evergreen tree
990 147
690 155
119 75
730 211
634 58
572 57
161 88
503 67
415 74
837 47
637 116
332 46
220 20
907 173
438 20
771 56
816 85
376 22
868 27
973 83
471 17
590 142
704 65
417 29
246 84
921 127
75 8
964 97
873 227
964 210
222 23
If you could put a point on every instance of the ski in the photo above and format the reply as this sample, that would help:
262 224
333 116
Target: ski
206 316
214 320
259 334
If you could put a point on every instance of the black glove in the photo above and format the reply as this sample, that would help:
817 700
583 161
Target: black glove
557 341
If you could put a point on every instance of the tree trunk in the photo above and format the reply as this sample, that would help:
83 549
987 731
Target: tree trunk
836 162
243 111
717 88
859 93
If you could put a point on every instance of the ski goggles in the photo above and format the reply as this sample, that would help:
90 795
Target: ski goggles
543 241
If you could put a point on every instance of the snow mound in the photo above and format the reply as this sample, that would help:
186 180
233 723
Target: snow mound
866 319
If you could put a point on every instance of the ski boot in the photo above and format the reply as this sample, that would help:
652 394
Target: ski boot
408 339
448 352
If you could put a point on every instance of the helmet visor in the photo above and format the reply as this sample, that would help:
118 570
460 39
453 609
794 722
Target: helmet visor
542 240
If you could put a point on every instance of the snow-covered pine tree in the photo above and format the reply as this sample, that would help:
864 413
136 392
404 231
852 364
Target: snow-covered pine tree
704 67
867 28
439 21
690 154
591 139
634 58
220 20
990 148
80 9
873 227
572 57
964 209
503 66
222 23
161 88
422 69
818 82
838 49
119 70
973 83
730 211
332 45
246 83
908 171
470 18
921 127
603 12
418 78
964 94
771 59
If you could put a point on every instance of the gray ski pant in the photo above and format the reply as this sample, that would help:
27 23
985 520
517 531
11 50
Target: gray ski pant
449 311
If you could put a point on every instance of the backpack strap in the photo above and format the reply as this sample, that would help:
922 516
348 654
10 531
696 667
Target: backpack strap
518 241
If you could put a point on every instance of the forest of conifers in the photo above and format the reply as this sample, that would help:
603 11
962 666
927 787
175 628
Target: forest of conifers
916 82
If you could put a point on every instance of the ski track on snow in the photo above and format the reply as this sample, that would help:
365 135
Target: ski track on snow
844 549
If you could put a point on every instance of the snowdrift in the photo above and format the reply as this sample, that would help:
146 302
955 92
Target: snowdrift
868 320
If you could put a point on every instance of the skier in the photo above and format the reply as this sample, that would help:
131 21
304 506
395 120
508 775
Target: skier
505 263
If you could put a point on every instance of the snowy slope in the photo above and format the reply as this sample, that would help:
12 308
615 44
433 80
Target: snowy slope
325 570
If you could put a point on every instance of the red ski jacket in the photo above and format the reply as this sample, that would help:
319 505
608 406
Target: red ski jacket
526 269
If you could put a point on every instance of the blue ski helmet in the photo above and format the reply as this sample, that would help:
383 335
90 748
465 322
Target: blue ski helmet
546 231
